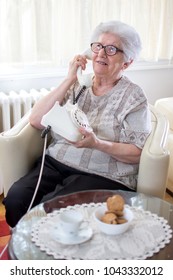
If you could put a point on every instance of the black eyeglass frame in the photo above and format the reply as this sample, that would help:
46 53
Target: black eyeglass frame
104 47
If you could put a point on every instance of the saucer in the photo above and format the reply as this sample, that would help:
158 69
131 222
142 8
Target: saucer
82 236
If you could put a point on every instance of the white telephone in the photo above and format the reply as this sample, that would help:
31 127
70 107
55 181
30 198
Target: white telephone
66 120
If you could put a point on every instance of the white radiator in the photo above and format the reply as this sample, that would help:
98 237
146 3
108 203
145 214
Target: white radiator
14 105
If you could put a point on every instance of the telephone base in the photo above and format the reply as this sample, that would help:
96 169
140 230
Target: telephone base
61 121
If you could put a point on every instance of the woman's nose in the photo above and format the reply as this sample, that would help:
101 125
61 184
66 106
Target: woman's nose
102 52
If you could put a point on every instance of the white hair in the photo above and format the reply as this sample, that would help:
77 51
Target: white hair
129 38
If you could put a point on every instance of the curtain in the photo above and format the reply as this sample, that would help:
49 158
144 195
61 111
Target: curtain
51 32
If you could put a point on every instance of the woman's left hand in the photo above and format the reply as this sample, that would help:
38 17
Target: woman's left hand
88 139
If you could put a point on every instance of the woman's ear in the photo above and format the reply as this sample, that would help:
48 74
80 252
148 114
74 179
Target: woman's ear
127 64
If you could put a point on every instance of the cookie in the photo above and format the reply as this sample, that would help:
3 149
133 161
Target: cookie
109 218
119 213
121 221
115 203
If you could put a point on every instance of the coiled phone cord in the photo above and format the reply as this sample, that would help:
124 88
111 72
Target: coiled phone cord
75 99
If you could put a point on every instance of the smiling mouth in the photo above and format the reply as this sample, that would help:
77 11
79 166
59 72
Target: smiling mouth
102 62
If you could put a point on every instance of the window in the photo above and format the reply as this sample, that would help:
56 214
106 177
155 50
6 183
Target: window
48 33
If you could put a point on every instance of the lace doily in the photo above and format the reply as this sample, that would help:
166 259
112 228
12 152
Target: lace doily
147 234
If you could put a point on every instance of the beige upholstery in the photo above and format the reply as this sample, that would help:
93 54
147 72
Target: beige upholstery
165 106
19 150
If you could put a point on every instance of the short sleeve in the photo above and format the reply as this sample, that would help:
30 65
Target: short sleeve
136 127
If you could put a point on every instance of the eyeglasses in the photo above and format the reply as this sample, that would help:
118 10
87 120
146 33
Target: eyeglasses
109 49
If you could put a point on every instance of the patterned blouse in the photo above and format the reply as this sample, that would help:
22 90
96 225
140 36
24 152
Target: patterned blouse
121 115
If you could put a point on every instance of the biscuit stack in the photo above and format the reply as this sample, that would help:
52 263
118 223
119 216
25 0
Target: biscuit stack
115 210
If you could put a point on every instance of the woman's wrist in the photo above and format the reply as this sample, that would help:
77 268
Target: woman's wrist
68 81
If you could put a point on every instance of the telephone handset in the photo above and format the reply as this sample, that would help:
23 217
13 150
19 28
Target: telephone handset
66 120
84 80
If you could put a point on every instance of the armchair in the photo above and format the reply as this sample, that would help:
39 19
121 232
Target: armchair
21 145
165 106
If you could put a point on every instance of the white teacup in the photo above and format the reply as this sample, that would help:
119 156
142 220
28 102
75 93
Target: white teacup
70 222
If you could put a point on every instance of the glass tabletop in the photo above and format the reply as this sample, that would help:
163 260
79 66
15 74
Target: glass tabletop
21 246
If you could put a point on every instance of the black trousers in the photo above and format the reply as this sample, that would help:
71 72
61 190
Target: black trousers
57 179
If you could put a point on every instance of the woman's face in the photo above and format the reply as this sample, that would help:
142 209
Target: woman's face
108 66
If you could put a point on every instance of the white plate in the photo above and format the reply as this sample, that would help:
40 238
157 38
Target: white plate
83 235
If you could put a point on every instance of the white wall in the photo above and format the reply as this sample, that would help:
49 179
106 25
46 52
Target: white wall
157 83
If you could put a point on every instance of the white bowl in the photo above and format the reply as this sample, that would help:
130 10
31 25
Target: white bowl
112 229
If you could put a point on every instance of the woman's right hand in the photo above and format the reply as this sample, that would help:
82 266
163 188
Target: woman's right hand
77 61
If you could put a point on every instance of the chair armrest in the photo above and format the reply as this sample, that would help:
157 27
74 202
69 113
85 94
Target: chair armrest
19 149
15 130
165 106
170 172
154 162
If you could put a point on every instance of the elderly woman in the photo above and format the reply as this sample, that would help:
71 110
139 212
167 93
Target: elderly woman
106 157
